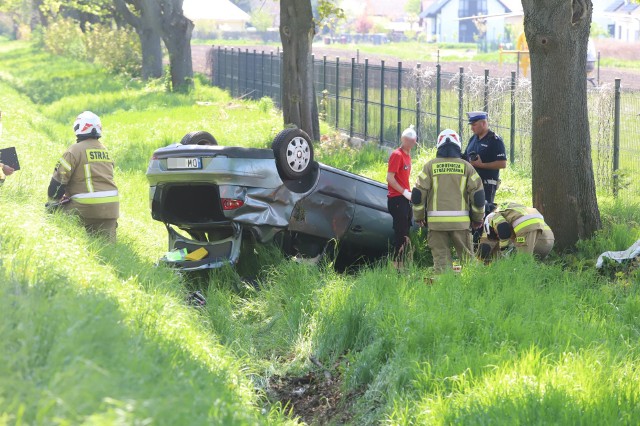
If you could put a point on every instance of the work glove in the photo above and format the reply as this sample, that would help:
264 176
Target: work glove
407 194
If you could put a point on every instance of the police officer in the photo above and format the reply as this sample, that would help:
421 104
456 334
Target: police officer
82 181
486 152
515 226
399 195
450 197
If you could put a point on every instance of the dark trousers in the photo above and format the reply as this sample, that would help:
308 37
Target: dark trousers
489 196
400 210
489 192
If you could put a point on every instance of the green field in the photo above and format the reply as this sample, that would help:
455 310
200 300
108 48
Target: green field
98 334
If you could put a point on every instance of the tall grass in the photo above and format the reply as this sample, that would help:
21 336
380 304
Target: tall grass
96 333
92 332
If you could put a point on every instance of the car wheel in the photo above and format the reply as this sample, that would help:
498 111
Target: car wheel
199 138
294 153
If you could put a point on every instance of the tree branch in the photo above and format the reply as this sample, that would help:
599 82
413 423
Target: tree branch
129 17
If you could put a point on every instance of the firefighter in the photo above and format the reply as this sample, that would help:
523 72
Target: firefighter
515 227
450 197
82 182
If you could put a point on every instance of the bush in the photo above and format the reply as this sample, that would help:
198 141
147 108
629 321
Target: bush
64 37
118 50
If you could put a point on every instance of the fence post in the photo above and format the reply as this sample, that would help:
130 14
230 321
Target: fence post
324 72
280 66
438 98
486 91
246 73
381 102
352 104
337 91
512 134
262 74
223 78
418 102
366 98
616 137
399 123
461 102
271 74
232 73
214 67
254 79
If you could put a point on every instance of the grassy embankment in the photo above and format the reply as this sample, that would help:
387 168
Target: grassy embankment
95 333
91 332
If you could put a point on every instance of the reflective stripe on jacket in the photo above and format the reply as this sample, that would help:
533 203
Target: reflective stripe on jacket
99 197
447 186
523 219
86 169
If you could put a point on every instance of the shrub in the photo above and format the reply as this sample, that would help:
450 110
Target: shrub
64 37
118 50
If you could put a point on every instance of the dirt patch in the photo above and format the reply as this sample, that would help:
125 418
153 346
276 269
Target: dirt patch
315 398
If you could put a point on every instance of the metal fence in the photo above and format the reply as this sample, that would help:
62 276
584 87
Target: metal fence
377 101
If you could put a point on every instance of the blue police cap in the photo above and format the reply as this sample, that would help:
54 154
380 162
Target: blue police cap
477 115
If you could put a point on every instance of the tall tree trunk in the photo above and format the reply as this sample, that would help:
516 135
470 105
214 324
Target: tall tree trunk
298 95
557 33
147 27
151 45
37 17
176 32
150 40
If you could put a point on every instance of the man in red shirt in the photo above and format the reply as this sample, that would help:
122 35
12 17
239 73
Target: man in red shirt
399 196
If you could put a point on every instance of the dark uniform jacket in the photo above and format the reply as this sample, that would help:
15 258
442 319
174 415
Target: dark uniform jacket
489 148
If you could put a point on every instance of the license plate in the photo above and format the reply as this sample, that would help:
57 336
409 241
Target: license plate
184 163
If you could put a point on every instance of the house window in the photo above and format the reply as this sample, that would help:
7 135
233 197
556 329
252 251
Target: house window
467 29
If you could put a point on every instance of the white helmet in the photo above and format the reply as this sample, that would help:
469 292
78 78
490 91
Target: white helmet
87 123
448 135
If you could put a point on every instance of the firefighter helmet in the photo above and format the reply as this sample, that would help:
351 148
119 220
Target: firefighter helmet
87 123
448 135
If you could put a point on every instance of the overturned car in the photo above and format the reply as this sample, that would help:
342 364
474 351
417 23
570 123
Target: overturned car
221 197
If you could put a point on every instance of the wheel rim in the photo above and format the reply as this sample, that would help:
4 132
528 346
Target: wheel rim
298 154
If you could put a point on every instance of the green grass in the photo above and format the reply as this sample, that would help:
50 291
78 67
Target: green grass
96 333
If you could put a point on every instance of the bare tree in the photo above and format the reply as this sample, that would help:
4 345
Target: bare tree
557 33
297 30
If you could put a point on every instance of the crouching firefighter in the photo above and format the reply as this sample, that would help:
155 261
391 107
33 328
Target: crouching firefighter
82 182
450 197
515 227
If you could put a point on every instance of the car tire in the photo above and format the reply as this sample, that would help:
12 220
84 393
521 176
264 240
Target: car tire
293 151
199 138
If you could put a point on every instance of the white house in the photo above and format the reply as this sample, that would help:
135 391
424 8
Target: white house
448 23
626 18
215 15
